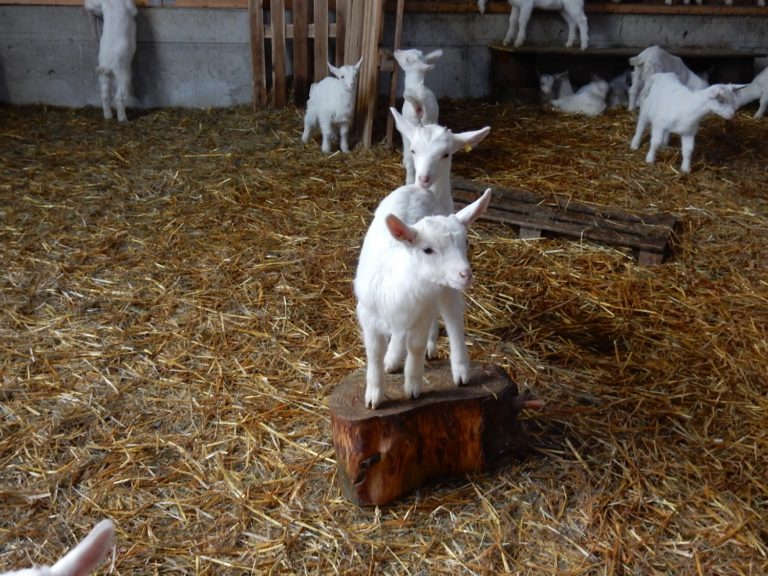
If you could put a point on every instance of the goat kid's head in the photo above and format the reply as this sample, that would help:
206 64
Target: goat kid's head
722 100
433 146
439 243
347 74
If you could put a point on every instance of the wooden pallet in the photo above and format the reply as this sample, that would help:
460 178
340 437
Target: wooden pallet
648 235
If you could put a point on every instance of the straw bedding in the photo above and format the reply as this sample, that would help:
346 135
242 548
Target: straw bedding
176 307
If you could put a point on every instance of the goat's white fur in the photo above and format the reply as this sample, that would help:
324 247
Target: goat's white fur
572 12
432 148
420 103
553 86
412 265
116 49
671 107
332 103
653 60
82 559
758 88
588 100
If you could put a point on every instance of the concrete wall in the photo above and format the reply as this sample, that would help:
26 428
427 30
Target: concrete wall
201 58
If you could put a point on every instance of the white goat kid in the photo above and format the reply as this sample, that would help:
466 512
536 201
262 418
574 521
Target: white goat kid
588 100
552 86
758 88
116 49
572 12
332 103
420 105
670 107
82 559
653 60
406 274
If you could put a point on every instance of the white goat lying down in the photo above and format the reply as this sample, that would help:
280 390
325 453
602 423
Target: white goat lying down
758 88
82 559
332 103
670 107
420 105
552 86
572 12
588 100
653 60
116 49
411 266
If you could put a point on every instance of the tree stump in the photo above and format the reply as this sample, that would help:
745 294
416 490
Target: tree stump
448 431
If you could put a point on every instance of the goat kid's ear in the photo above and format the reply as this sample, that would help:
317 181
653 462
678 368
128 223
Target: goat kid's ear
359 62
464 140
89 553
434 55
473 211
403 126
333 70
400 230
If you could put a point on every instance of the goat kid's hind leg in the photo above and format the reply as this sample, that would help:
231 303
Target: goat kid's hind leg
763 105
571 28
105 86
657 137
522 22
309 123
395 356
375 346
343 136
326 128
642 122
452 311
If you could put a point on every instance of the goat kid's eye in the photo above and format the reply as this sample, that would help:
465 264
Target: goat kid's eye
428 251
446 155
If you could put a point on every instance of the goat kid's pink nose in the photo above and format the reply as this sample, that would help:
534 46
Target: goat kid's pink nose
424 180
466 275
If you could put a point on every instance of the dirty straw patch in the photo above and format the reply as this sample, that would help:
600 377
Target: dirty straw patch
176 307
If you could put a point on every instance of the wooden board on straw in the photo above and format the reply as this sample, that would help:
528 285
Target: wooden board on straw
385 453
648 235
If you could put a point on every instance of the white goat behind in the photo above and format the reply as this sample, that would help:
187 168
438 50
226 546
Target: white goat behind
432 149
332 104
116 49
758 88
552 86
408 271
420 105
588 100
671 107
82 559
653 60
572 12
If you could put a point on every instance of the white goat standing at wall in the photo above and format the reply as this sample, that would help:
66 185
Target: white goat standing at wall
116 49
332 103
588 100
406 273
670 107
653 60
432 149
420 105
572 12
82 559
758 88
552 86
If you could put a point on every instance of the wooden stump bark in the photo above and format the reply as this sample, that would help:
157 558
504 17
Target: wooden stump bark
448 431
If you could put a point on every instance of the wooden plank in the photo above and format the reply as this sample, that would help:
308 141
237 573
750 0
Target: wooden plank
648 234
321 40
258 63
300 52
393 80
342 17
279 88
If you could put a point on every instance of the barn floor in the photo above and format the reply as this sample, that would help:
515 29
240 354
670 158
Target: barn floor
176 307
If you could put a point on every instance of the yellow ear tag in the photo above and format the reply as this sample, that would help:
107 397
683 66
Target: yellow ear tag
467 147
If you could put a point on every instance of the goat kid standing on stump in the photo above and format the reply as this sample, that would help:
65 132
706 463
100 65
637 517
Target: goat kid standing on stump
117 46
410 267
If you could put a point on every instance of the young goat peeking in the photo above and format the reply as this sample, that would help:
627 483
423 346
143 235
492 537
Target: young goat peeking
408 271
82 559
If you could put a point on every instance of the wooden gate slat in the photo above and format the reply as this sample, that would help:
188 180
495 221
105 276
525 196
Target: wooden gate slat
321 40
300 52
342 17
258 63
279 89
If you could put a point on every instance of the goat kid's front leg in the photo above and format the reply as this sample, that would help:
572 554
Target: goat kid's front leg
763 105
416 342
514 14
686 144
375 346
343 136
123 87
522 23
326 128
452 311
106 88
